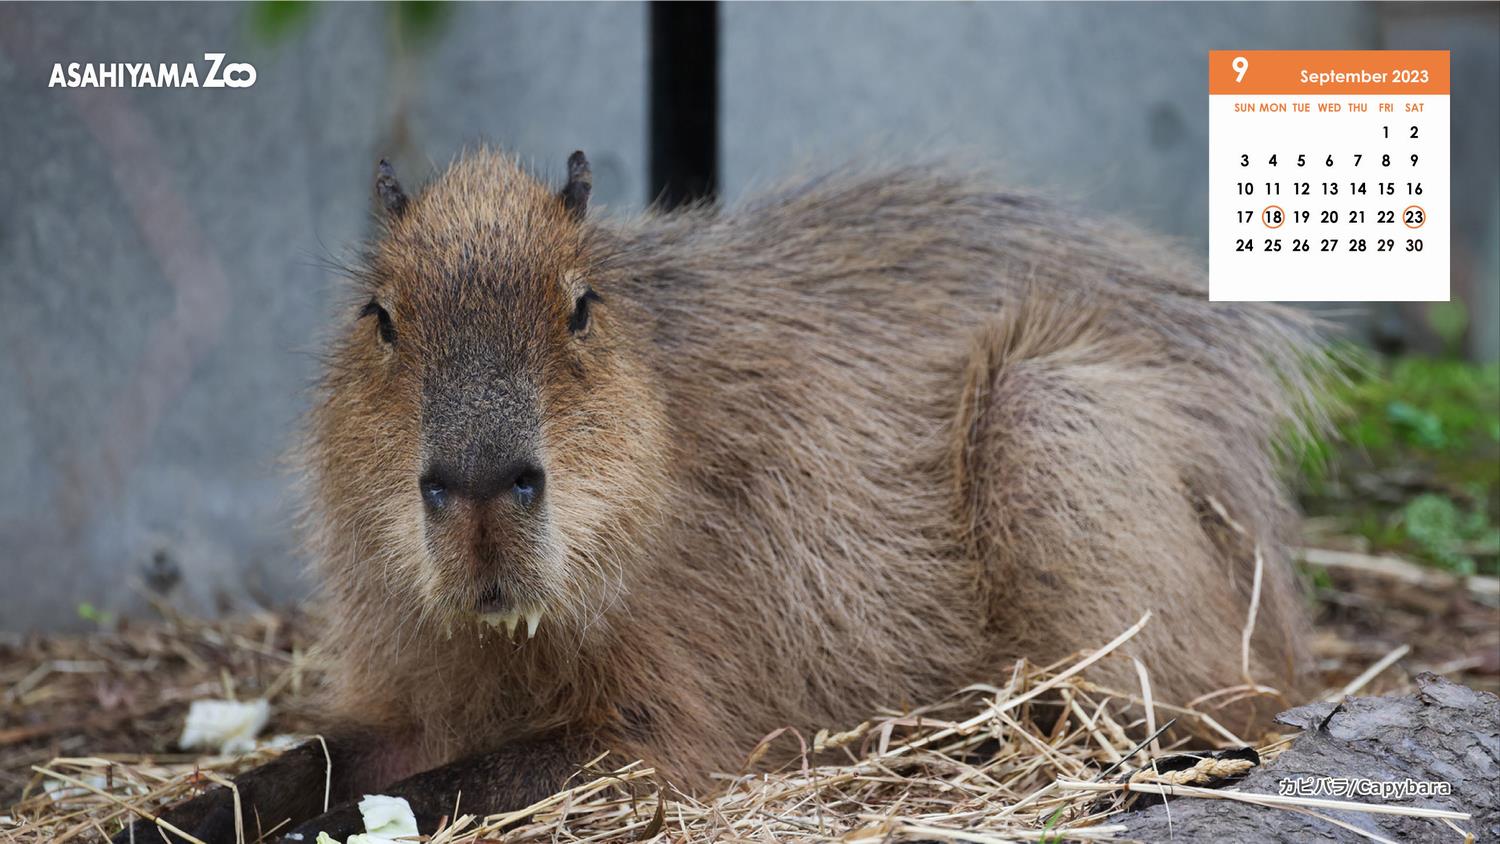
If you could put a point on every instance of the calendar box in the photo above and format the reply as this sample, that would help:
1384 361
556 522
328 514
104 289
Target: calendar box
1328 175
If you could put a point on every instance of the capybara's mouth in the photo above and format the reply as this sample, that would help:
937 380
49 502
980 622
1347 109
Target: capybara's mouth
510 620
499 610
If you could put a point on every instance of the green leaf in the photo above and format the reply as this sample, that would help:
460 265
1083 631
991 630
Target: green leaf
274 20
421 19
1416 425
1435 524
89 612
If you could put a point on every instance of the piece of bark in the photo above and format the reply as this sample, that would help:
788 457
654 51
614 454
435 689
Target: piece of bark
1443 733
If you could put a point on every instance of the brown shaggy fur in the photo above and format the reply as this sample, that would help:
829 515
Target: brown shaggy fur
856 443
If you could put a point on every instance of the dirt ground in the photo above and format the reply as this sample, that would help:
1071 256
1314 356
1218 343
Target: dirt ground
123 692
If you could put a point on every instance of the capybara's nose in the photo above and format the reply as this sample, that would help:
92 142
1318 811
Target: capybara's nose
520 481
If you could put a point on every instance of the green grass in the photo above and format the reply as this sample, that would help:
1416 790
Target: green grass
1413 466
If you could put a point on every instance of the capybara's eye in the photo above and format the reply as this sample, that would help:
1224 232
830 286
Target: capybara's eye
579 322
383 318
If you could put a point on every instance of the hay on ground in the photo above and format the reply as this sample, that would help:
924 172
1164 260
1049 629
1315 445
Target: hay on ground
1041 755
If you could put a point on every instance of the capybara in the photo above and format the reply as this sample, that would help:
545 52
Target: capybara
660 485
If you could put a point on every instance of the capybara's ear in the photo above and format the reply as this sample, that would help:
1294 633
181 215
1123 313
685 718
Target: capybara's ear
388 190
575 194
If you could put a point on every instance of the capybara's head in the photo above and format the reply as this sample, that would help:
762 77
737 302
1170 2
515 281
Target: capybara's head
485 428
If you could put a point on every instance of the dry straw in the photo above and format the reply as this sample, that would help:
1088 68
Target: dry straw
1047 756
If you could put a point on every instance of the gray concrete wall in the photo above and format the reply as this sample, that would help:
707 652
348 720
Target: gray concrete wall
163 253
162 259
1103 104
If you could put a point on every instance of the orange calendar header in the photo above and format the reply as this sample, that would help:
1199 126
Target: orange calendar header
1314 72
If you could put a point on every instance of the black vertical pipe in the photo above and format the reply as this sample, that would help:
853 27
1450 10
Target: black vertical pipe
684 117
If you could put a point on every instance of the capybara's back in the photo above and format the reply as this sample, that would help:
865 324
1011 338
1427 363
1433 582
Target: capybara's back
662 485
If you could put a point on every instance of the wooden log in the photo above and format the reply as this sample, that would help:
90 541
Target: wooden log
1444 733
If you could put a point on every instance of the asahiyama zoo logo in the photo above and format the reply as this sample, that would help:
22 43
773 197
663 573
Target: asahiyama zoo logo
146 75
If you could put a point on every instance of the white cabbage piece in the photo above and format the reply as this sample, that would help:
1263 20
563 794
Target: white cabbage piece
228 726
388 820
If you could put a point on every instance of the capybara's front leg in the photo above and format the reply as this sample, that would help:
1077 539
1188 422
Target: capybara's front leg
513 777
297 785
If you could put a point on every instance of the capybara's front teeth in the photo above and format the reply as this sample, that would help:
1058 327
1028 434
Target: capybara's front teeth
497 620
512 620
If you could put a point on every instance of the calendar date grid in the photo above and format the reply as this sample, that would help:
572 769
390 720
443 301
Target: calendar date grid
1313 192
